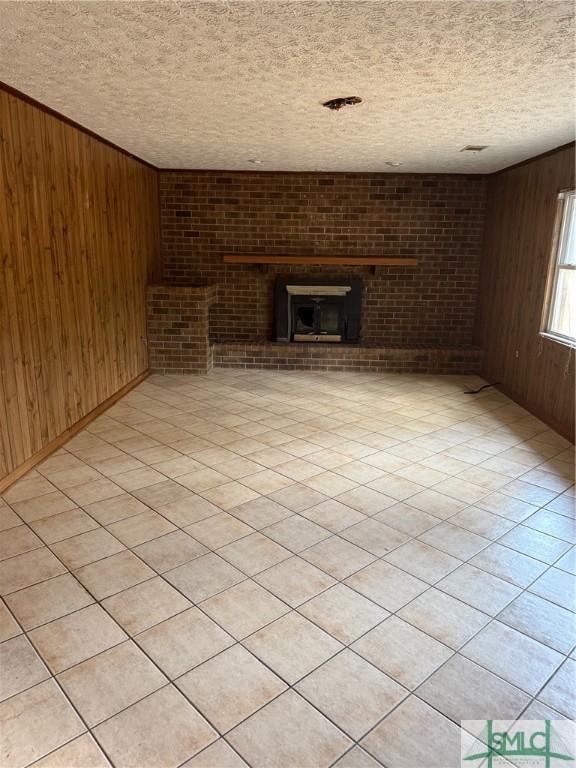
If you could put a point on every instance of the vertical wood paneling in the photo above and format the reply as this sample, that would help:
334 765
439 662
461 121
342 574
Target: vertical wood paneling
537 372
78 239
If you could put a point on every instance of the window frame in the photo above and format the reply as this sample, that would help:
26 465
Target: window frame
554 268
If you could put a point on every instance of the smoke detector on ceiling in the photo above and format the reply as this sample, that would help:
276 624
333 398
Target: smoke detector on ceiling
474 148
342 101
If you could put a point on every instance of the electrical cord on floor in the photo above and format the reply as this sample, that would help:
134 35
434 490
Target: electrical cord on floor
484 386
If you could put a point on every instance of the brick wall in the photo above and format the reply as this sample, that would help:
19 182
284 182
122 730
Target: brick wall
178 319
435 218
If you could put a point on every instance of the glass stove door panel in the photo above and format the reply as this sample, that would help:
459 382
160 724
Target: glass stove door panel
330 318
304 317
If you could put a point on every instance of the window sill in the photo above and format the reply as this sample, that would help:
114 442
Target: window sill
559 339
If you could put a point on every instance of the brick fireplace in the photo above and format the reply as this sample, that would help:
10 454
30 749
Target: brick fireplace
438 218
425 310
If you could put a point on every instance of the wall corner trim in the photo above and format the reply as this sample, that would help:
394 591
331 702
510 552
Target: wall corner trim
558 426
68 120
528 160
43 453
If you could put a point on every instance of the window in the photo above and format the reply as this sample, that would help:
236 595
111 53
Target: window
560 309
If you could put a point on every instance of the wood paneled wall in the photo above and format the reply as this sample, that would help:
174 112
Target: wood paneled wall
535 371
78 239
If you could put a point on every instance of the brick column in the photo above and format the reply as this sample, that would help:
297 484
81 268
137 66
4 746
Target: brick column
178 328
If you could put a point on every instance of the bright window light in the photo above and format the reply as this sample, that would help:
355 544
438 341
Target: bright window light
560 311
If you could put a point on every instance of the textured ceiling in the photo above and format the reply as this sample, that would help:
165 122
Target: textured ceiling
216 84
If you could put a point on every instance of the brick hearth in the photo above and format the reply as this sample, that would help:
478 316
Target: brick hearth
335 357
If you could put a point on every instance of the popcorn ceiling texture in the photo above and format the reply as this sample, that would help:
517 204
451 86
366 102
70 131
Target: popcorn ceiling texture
436 218
215 84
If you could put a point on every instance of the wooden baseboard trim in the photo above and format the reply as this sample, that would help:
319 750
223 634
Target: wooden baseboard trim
43 453
562 429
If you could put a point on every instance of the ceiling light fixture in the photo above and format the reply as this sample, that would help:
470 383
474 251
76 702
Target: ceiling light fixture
342 101
474 148
256 162
393 164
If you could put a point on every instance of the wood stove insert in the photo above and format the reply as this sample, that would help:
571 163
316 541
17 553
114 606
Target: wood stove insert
318 310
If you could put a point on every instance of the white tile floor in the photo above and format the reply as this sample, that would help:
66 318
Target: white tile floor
286 569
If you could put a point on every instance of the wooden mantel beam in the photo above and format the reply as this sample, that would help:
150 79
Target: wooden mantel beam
349 261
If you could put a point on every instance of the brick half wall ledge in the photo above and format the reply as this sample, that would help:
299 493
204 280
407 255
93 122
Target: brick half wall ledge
178 328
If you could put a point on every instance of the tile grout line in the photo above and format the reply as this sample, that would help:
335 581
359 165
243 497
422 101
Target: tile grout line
340 581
